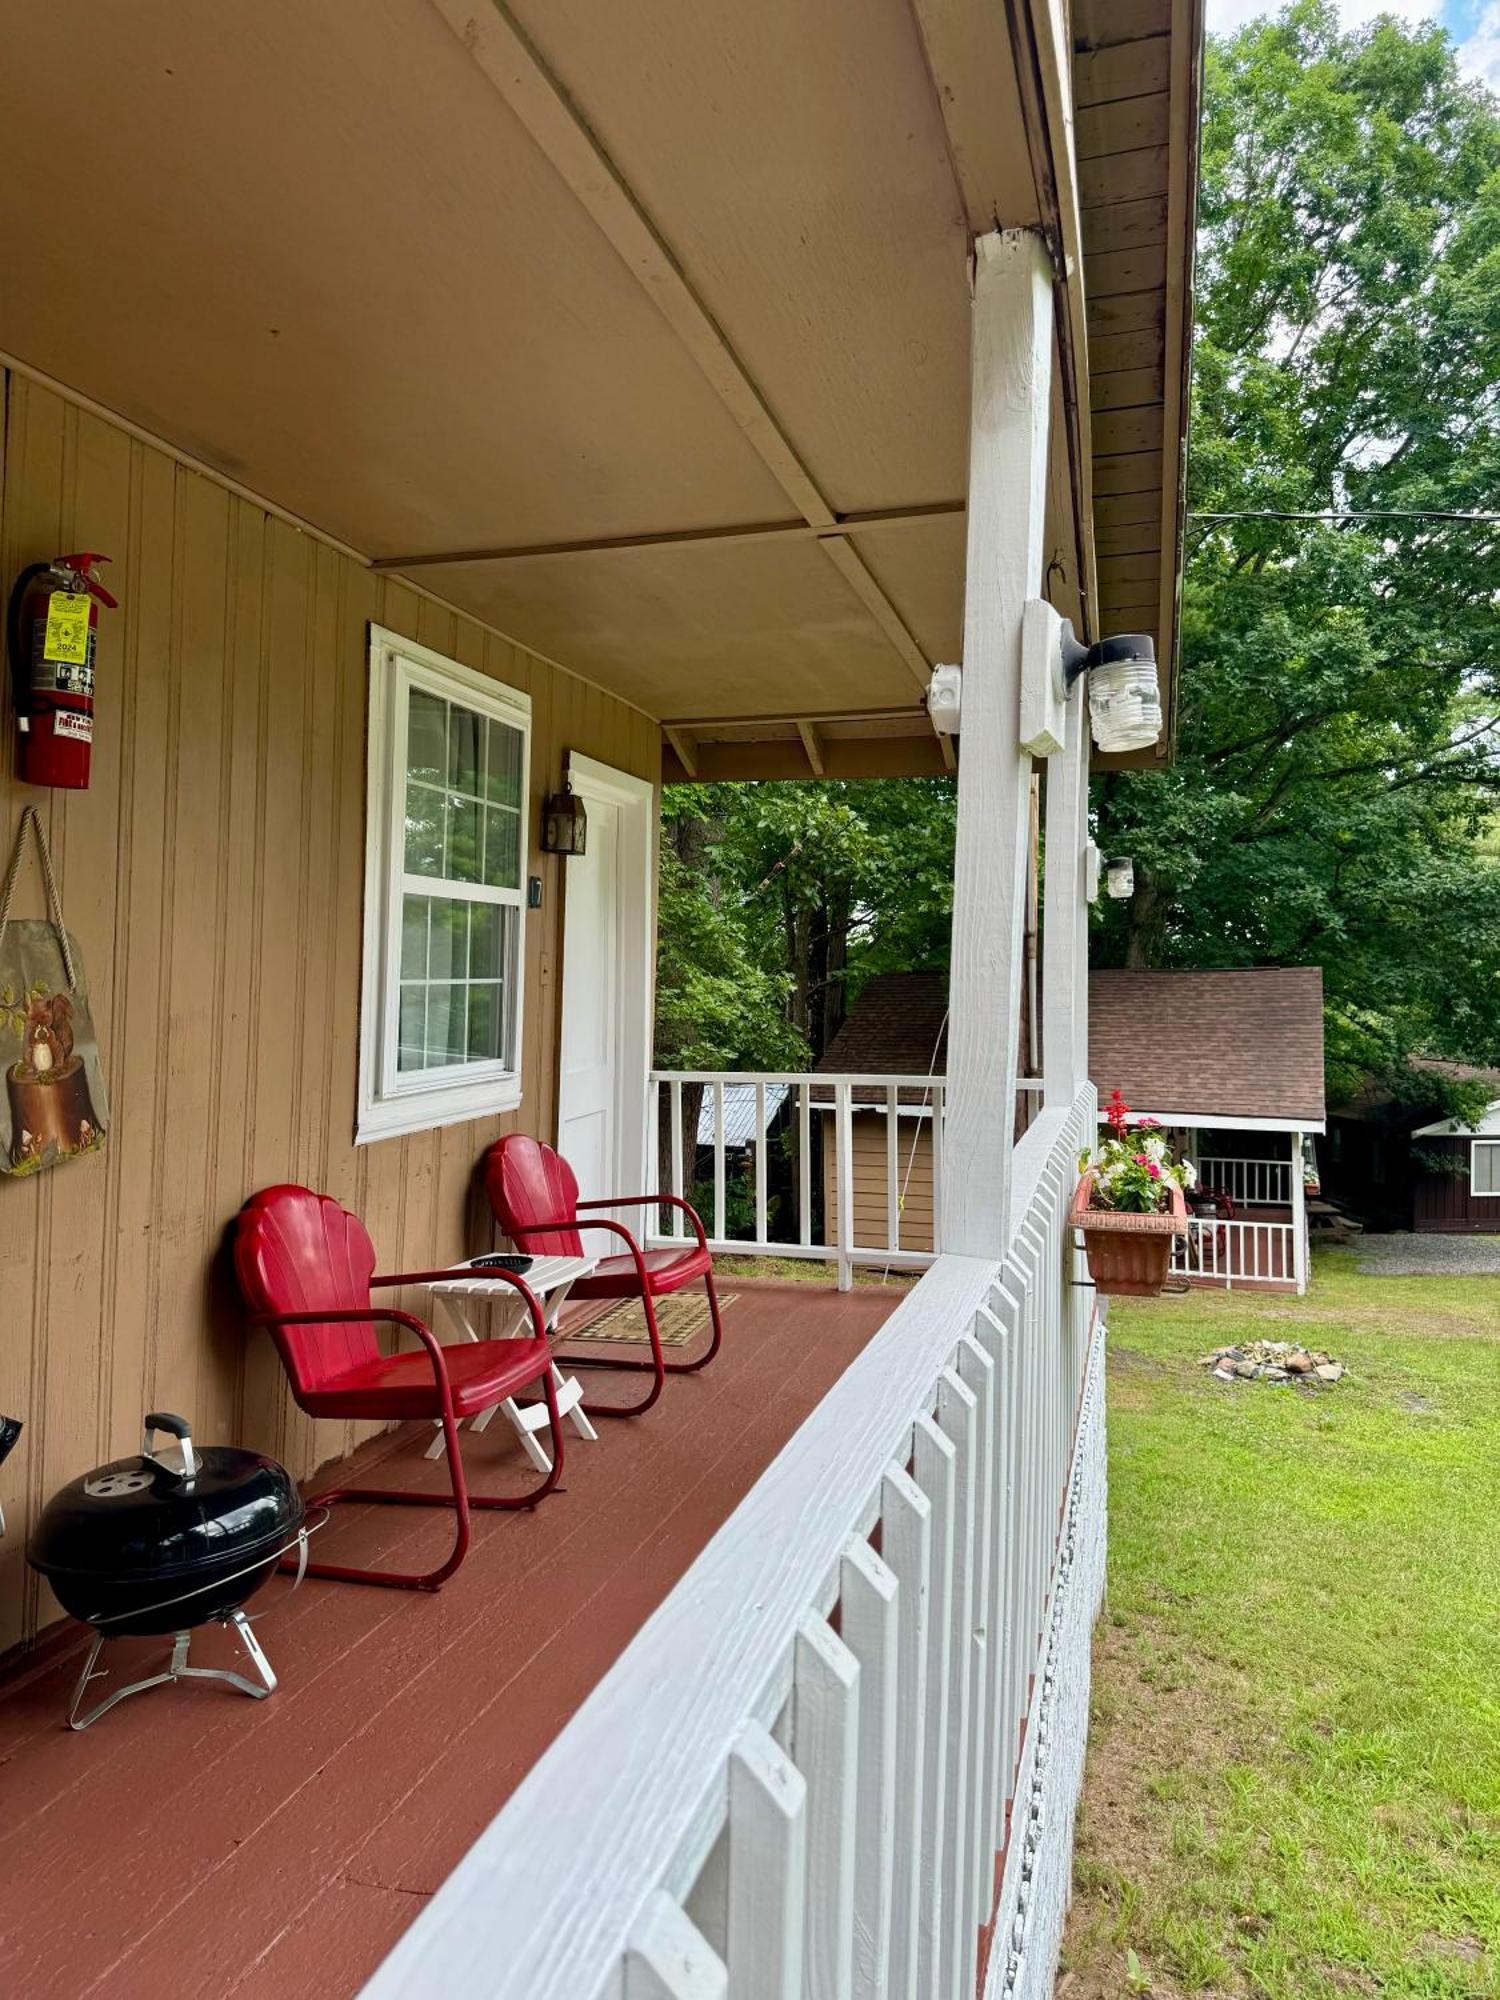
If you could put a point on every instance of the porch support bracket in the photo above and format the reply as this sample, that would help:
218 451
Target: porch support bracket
1010 401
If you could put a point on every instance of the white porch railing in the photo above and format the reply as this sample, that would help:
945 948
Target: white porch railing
795 1780
1238 1253
863 1198
1254 1183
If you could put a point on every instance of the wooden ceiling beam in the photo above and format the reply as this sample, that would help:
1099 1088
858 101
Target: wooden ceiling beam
810 743
686 748
750 531
705 725
505 55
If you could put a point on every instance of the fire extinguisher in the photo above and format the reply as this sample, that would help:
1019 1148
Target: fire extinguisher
52 630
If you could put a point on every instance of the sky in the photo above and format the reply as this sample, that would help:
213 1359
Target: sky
1473 24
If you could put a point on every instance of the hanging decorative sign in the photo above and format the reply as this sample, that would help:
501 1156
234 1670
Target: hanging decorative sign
55 1105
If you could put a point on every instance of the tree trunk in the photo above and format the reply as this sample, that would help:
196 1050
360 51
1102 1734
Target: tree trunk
1146 933
836 993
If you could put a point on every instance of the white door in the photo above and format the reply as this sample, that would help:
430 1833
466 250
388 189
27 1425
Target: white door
607 1002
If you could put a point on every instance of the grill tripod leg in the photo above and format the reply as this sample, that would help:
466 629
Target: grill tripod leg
178 1670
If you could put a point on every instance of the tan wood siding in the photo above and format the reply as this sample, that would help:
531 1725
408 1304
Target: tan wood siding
913 1175
214 874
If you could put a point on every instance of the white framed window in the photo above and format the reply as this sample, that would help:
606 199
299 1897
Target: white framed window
445 892
1484 1167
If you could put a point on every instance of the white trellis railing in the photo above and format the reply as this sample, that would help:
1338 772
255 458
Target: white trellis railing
851 1166
1253 1183
1238 1253
797 1779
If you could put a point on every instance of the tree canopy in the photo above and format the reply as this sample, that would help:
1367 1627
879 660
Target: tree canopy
779 900
1337 774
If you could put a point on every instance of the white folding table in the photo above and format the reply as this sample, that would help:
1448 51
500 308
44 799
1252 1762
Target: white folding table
469 1292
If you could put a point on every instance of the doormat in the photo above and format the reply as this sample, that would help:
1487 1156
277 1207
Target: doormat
679 1319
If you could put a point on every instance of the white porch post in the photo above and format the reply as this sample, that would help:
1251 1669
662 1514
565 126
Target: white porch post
1299 1215
1065 917
1011 371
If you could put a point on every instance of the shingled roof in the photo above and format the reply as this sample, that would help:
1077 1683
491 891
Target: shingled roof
1246 1043
1242 1043
898 1027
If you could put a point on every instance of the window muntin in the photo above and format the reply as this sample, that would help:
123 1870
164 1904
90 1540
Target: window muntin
448 802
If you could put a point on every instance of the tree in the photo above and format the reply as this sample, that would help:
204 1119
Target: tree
719 1003
1337 773
788 897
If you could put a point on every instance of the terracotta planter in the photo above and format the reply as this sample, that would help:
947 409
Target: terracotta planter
1129 1255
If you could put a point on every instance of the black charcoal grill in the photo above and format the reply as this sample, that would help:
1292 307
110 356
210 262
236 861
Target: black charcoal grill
167 1541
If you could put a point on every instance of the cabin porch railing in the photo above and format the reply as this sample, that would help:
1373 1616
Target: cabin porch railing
841 1759
816 1116
1238 1253
1252 1183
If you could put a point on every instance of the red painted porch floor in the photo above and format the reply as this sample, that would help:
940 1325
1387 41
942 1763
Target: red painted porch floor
195 1841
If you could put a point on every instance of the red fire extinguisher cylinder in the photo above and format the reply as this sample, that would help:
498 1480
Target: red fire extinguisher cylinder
53 631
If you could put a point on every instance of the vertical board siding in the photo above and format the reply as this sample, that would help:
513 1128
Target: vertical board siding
1445 1202
214 876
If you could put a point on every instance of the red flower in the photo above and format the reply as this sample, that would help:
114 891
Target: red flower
1117 1111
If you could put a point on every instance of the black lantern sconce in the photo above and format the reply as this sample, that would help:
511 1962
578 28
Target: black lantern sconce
565 824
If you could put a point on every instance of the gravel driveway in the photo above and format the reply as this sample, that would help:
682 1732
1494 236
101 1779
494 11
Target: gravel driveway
1430 1256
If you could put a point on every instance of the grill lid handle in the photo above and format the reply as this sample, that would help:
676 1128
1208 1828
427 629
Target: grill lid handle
179 1428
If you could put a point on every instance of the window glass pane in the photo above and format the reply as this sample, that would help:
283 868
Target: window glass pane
465 736
426 737
412 1041
414 937
502 848
502 784
448 950
484 1023
464 832
484 941
424 831
1486 1170
447 1025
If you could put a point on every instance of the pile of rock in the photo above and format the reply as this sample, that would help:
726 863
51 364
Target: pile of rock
1272 1361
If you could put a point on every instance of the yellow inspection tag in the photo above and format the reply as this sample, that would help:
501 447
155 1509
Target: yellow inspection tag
67 635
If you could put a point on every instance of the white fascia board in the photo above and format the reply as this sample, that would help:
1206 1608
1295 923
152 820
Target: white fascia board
1449 1128
1215 1121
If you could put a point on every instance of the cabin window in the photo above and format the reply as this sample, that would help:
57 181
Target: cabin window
1484 1167
445 902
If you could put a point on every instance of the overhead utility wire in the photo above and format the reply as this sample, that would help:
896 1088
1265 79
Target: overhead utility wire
1351 514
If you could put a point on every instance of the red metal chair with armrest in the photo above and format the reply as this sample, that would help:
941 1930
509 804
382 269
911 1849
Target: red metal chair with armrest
306 1268
534 1194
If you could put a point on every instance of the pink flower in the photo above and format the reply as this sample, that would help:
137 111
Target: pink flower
1153 1170
1148 1124
1140 1159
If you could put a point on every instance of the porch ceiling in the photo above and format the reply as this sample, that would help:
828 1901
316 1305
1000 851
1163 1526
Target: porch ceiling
640 332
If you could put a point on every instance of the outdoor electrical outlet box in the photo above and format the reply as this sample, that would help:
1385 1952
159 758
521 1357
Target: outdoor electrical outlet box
533 892
1044 697
944 699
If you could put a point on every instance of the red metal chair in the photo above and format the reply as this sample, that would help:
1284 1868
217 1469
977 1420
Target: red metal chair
305 1268
534 1194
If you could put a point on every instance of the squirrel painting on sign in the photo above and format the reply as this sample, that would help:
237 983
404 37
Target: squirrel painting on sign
51 1111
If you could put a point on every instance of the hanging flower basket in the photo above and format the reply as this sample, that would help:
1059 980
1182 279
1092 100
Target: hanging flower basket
1129 1255
1130 1205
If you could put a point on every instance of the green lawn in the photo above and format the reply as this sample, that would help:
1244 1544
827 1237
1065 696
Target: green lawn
1294 1769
